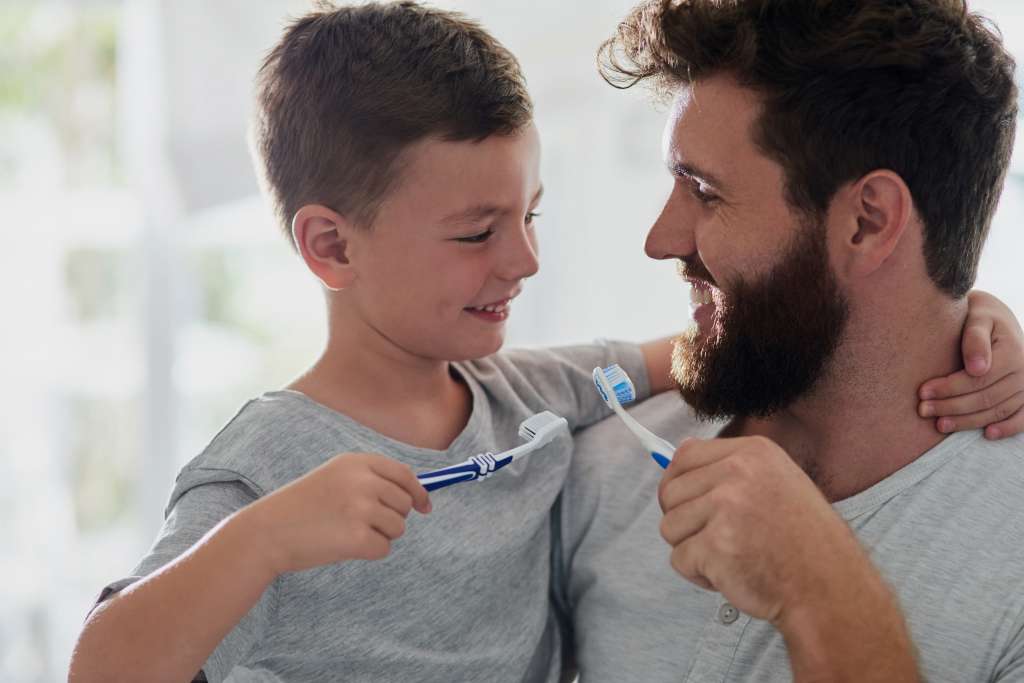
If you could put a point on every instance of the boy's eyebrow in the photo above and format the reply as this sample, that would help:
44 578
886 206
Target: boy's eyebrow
475 214
681 170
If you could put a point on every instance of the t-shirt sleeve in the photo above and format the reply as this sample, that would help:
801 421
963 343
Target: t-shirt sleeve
191 516
563 376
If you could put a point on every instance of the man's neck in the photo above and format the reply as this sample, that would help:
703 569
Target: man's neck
860 422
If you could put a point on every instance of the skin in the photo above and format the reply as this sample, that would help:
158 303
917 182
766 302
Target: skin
800 567
397 297
457 232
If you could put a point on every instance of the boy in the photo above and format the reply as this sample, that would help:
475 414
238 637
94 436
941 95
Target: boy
397 144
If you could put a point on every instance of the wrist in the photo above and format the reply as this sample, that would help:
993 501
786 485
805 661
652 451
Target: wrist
251 534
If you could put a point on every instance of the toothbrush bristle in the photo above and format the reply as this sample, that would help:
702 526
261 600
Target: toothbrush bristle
532 426
621 384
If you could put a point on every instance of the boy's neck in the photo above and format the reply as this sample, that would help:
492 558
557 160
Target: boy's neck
413 400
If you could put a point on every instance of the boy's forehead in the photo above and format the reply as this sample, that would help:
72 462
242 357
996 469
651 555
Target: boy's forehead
449 176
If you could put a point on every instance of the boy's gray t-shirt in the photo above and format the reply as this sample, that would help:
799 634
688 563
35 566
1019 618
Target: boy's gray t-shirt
946 531
464 594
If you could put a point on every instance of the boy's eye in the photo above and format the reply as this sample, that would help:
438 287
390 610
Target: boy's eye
477 238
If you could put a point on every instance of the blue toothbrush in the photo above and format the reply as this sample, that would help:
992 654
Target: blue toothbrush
538 431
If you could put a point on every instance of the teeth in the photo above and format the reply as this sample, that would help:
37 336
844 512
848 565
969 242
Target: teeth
700 296
492 308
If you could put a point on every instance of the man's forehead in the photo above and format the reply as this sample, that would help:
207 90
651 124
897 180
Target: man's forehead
710 123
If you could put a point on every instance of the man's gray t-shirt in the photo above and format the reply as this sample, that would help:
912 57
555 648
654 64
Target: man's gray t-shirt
464 594
947 532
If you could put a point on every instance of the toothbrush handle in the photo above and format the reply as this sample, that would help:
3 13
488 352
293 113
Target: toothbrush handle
661 459
477 467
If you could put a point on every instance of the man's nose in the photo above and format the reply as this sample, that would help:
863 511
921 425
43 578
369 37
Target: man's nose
672 234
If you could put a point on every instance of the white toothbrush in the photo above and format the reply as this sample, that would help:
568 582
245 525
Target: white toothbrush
538 431
617 389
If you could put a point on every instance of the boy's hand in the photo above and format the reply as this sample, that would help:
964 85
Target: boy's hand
351 507
991 389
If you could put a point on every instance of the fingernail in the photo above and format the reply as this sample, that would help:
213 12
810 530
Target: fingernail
977 364
927 393
945 425
927 410
993 433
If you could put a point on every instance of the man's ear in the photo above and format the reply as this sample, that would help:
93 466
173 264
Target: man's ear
874 213
324 240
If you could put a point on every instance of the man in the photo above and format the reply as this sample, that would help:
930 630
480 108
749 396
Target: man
836 169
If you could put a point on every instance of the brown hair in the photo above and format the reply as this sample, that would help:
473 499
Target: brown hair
347 89
921 87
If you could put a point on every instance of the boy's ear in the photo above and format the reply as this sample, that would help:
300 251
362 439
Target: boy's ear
324 240
874 213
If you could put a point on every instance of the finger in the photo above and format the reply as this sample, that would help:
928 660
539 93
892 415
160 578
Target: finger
388 522
687 559
401 475
976 344
976 401
374 546
1010 427
955 384
695 453
992 416
684 521
678 490
394 496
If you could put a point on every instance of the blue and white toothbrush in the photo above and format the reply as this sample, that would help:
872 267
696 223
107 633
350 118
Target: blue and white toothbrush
617 389
538 431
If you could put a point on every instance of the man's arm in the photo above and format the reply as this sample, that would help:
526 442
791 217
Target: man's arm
744 520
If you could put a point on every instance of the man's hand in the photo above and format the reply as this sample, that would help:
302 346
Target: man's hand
989 392
744 520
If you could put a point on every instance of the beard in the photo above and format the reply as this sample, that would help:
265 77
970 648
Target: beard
771 339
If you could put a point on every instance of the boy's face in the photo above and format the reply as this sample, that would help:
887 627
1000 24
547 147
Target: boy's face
450 246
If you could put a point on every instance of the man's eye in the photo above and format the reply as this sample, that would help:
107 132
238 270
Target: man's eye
698 190
477 238
531 216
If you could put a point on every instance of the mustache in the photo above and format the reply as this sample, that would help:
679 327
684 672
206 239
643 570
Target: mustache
692 268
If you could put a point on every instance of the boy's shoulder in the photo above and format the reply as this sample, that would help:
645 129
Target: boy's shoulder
271 440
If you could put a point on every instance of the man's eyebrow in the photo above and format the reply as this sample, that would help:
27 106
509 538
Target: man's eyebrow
480 212
681 170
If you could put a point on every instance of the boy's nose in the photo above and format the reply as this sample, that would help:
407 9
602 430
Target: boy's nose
521 258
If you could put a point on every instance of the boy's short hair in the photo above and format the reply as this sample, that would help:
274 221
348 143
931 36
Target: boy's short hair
922 87
348 88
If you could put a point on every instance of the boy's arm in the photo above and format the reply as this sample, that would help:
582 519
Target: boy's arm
989 392
165 627
658 358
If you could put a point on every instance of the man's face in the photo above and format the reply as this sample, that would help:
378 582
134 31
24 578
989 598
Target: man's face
768 310
451 246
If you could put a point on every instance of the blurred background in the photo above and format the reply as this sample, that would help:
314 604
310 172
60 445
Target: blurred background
146 292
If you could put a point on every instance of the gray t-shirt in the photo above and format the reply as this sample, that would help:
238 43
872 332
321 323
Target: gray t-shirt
947 532
464 595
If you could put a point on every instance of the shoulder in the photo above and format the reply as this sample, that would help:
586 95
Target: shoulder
270 441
